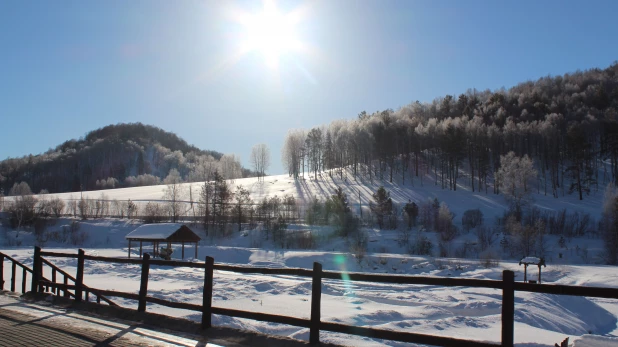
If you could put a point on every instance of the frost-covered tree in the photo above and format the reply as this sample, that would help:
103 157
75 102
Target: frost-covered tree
260 159
23 207
230 167
314 148
173 194
513 177
293 151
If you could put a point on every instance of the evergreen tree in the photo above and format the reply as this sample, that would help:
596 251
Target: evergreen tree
411 210
382 205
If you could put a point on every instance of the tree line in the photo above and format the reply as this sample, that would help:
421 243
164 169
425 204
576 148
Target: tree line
566 125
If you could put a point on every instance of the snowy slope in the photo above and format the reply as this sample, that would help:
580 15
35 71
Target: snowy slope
304 190
541 320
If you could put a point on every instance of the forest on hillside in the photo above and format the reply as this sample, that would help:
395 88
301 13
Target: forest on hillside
121 155
566 125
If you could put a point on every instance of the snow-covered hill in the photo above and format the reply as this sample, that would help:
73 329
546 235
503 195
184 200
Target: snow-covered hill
305 189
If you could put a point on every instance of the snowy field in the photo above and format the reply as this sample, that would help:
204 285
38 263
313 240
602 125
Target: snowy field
471 313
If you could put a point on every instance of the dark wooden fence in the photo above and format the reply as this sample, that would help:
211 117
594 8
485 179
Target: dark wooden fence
14 265
314 323
40 283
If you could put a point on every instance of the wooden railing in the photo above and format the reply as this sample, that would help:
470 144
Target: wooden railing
314 323
43 284
14 265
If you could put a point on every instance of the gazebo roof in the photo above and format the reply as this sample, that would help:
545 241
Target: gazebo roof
175 232
532 261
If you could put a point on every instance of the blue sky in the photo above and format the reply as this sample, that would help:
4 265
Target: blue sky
68 67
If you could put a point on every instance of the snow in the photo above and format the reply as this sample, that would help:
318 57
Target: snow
159 231
595 341
471 313
530 260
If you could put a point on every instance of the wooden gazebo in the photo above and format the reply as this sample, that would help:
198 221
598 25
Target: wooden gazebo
532 261
166 233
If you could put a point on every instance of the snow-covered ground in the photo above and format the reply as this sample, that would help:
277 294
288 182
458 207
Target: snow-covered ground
541 320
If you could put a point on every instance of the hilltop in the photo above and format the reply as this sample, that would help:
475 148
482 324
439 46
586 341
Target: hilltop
118 155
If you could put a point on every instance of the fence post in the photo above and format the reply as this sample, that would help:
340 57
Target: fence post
316 297
36 272
79 276
508 308
1 271
207 295
143 287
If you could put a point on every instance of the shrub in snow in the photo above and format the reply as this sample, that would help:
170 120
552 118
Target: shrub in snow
444 224
153 213
411 210
57 206
403 236
489 259
428 213
486 236
471 219
40 232
421 246
358 246
279 228
301 240
73 234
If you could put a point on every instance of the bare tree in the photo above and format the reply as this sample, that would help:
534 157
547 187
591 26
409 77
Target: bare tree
57 206
173 193
292 151
23 208
230 167
260 159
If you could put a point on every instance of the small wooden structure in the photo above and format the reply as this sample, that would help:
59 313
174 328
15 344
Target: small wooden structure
166 233
532 261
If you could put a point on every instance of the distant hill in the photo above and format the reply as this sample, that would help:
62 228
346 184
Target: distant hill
116 156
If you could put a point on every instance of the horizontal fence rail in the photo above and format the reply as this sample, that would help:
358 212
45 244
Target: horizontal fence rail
507 285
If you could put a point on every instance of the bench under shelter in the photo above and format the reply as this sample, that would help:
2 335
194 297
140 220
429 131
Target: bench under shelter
163 233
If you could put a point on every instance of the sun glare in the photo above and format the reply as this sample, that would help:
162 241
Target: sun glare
270 32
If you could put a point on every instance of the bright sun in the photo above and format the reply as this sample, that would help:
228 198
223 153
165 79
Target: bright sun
271 33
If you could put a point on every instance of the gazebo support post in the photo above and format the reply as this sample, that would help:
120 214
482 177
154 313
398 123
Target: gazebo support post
195 250
129 249
183 250
525 273
140 249
539 273
154 248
